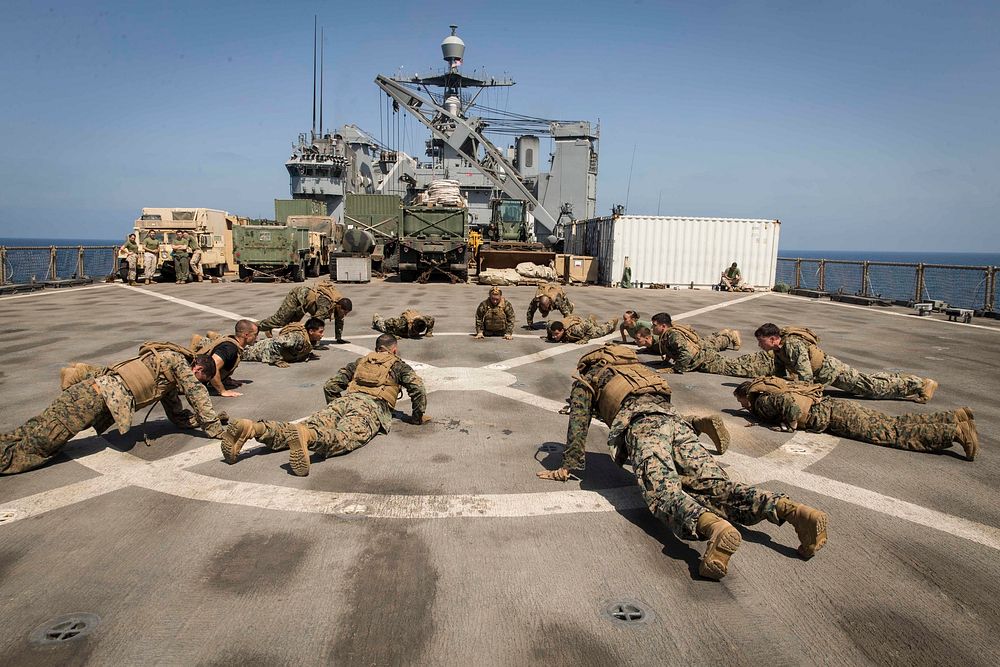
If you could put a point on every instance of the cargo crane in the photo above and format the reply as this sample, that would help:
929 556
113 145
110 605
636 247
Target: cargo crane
458 143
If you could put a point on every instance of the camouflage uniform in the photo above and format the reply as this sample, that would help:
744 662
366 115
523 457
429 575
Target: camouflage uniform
290 346
300 301
688 355
350 419
400 326
679 479
151 250
579 330
503 310
100 402
792 361
131 259
849 419
195 262
755 364
559 299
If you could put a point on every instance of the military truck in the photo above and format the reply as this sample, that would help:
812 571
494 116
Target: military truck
294 250
508 240
213 229
433 240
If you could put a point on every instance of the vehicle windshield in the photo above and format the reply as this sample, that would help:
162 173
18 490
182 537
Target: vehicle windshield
511 211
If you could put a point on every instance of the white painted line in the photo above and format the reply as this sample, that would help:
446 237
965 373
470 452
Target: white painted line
56 290
46 501
802 450
724 304
870 309
185 302
527 397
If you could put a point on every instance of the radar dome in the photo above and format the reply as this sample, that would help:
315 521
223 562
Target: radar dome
453 48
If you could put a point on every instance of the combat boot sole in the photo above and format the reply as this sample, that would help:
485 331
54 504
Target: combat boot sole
810 525
723 542
968 438
926 392
715 429
235 436
734 335
298 451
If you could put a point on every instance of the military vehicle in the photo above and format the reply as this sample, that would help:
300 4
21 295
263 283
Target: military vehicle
434 240
294 250
213 229
373 223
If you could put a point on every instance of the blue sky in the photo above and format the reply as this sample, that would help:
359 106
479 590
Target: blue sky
861 125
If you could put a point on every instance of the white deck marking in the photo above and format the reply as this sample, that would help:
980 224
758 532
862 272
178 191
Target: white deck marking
169 475
55 290
868 309
185 302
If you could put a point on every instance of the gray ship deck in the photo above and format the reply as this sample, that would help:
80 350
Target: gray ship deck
438 545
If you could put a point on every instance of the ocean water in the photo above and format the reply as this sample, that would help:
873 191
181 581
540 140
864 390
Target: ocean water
927 257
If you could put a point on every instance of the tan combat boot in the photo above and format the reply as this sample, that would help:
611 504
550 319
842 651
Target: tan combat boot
810 525
236 435
735 337
926 392
723 541
69 376
298 450
713 427
964 415
967 436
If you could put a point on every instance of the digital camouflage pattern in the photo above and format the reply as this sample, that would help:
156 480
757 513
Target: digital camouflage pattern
848 419
290 347
399 327
582 332
506 311
131 259
100 401
300 301
688 356
560 302
350 419
195 261
678 477
792 361
755 364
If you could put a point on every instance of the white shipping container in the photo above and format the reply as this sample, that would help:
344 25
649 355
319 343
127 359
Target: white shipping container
676 250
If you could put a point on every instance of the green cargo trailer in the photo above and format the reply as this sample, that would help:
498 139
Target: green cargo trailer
380 216
286 207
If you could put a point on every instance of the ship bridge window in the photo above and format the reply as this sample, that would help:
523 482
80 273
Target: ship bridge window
150 216
183 215
529 158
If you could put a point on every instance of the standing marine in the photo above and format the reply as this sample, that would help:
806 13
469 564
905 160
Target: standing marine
410 324
801 405
195 262
131 257
182 258
575 329
547 297
360 399
323 301
797 356
495 316
150 254
680 482
161 373
293 344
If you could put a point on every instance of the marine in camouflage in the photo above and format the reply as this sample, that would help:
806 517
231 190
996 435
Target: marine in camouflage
792 361
131 258
299 302
679 479
399 326
101 400
582 331
558 301
688 356
843 418
503 311
287 347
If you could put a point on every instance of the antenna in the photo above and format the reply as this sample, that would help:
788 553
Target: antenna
322 43
658 200
315 23
628 189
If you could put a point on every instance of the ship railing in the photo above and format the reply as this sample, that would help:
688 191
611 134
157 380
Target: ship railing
35 267
960 286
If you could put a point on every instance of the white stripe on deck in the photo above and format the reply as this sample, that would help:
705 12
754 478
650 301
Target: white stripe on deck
54 290
184 302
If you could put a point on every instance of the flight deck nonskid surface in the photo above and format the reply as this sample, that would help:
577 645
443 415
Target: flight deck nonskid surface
438 545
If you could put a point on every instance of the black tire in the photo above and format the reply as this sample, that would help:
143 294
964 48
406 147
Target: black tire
407 275
333 269
123 270
314 268
245 272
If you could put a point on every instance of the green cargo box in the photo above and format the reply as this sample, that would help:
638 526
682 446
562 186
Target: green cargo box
269 248
286 207
425 222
